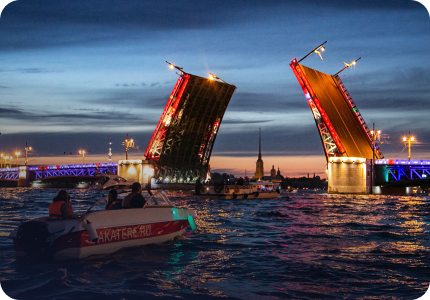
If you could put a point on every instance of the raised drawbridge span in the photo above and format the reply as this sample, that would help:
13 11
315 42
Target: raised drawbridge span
182 142
342 128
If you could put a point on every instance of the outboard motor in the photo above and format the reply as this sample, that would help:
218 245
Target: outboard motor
32 237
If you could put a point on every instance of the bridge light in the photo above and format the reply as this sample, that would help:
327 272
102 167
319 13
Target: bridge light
348 65
408 140
320 47
171 66
213 77
17 154
82 152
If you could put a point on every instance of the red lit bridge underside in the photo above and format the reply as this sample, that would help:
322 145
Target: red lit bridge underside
350 131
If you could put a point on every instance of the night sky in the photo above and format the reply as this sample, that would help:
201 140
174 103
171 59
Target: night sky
74 73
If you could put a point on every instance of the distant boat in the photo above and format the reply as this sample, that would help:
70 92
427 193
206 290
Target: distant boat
108 182
253 190
287 193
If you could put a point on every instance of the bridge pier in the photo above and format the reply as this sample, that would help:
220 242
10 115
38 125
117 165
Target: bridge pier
349 175
137 170
14 177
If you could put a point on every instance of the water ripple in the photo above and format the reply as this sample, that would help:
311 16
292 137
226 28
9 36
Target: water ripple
307 246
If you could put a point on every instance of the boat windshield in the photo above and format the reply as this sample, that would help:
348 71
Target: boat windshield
159 198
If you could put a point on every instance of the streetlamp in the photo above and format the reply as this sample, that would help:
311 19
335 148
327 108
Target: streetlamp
376 135
128 144
17 154
5 160
409 140
213 77
172 66
348 65
82 152
320 47
25 152
1 160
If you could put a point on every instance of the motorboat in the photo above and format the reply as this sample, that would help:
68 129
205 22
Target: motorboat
287 193
253 190
101 231
111 181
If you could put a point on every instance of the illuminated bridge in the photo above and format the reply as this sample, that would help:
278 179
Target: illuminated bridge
26 176
396 170
342 128
182 142
355 164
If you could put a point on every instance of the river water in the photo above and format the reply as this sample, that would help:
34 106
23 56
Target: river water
306 246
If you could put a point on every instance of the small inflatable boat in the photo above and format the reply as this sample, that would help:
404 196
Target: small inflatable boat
102 231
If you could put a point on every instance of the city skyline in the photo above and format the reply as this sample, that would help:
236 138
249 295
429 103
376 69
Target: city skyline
73 76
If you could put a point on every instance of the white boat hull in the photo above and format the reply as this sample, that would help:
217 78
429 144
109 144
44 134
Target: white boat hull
116 229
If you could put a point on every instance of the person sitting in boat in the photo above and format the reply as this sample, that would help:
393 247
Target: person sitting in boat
135 198
113 202
198 187
60 208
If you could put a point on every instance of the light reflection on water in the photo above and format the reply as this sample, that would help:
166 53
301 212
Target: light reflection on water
303 247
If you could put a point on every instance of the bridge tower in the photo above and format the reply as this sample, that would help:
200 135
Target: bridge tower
182 142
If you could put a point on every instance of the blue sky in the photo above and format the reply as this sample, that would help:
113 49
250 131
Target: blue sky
74 73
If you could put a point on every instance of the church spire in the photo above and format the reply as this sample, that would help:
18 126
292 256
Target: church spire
259 170
259 146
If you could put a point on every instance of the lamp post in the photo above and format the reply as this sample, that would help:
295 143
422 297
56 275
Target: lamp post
1 160
17 154
128 144
25 153
320 47
409 140
5 160
82 152
376 135
348 65
213 77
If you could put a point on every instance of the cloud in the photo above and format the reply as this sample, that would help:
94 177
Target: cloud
33 70
6 112
51 23
396 90
232 121
94 117
265 102
56 143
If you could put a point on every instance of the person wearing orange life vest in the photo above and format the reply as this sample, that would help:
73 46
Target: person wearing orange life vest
60 208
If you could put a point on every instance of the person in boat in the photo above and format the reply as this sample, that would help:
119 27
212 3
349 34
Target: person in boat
198 187
60 208
135 198
113 202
